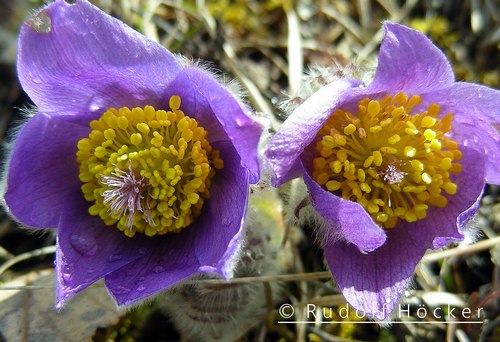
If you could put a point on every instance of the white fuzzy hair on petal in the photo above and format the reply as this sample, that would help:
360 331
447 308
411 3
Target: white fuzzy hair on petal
7 145
317 76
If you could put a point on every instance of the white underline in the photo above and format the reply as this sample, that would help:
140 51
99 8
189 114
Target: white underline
367 322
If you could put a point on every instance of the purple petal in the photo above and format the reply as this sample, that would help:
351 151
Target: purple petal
476 110
347 220
90 61
42 170
206 100
409 62
374 282
208 245
464 204
299 130
87 249
220 226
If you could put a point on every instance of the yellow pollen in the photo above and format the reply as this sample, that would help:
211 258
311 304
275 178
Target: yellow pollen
147 171
397 165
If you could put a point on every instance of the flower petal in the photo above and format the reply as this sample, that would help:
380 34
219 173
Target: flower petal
42 170
209 245
374 282
476 124
206 100
299 130
220 228
90 61
409 62
464 204
347 220
87 249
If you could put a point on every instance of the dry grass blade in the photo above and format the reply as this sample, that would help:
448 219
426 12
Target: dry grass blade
25 256
294 54
462 250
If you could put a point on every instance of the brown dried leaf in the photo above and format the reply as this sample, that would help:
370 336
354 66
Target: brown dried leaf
28 314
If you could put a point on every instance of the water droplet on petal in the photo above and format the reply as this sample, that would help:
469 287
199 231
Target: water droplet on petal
114 257
120 290
85 245
96 104
141 288
140 97
36 80
226 221
387 300
158 269
67 273
241 121
40 22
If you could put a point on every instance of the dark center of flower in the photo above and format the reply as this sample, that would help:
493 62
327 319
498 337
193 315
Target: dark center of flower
392 163
145 170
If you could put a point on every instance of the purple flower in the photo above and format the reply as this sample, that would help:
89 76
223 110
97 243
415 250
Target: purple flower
393 168
141 163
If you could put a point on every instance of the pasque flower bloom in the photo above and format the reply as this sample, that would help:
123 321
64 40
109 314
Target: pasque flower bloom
141 163
394 167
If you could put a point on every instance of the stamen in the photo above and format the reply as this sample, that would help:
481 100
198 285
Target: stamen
145 170
397 164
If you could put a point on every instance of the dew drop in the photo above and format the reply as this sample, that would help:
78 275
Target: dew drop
120 290
226 221
40 22
86 246
141 288
97 103
158 269
114 257
140 97
36 80
239 122
67 273
479 93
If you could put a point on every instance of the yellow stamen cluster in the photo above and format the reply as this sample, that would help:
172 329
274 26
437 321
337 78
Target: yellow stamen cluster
392 163
145 170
